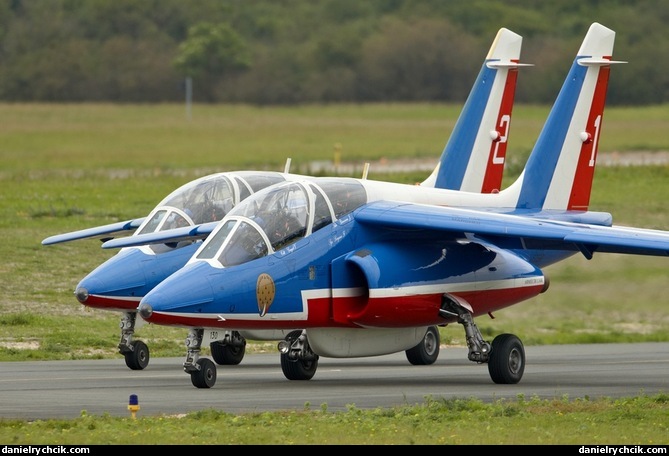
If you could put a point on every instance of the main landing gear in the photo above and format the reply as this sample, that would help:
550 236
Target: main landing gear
505 356
298 361
427 351
229 351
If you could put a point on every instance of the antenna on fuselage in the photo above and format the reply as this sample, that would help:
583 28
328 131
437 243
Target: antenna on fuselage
365 170
286 169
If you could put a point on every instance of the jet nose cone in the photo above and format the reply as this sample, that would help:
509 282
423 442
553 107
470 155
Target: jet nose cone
187 291
145 311
87 287
81 294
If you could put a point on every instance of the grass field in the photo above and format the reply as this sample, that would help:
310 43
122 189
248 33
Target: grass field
68 167
154 138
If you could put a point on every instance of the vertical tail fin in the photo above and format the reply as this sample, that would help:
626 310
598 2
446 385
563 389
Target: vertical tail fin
560 169
473 158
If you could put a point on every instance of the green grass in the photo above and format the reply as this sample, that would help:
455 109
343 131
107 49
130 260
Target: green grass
68 167
73 138
640 420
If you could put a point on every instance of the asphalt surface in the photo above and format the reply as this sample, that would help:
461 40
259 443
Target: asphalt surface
66 389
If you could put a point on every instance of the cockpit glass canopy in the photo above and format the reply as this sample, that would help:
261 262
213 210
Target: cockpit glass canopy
276 217
207 200
204 200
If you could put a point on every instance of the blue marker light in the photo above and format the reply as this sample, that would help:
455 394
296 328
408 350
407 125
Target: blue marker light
133 405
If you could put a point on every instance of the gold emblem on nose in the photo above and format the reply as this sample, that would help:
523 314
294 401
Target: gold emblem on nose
265 292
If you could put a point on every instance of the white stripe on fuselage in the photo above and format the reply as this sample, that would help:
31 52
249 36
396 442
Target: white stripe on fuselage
376 293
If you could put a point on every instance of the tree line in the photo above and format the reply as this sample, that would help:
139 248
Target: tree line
302 51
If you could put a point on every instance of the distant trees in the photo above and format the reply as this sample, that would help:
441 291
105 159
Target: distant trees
211 53
417 60
299 51
96 50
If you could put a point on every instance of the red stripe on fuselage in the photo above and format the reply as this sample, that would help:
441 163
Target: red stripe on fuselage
111 303
387 312
423 310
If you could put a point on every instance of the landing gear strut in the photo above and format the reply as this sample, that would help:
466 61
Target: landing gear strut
136 352
505 356
202 370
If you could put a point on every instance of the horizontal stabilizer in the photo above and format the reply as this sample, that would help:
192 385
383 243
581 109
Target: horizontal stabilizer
507 64
587 61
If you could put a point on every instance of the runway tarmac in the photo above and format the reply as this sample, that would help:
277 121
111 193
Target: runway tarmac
66 389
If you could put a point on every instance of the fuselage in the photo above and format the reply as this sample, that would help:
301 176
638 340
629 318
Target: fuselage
343 274
342 277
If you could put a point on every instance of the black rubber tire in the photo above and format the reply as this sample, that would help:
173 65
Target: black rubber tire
205 377
227 355
427 351
297 369
507 359
138 357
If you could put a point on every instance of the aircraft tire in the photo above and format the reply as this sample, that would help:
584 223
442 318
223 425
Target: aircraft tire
507 359
138 357
205 377
226 354
298 369
427 351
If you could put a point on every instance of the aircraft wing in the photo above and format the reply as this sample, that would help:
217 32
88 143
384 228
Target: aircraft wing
103 232
515 231
186 233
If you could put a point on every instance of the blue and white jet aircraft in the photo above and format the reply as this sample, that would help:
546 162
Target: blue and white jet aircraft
473 160
366 267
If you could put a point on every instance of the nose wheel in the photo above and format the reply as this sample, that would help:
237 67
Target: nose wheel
202 370
137 358
205 375
136 352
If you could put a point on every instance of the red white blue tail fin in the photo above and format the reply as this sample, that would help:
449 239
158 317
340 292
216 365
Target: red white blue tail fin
560 170
473 158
